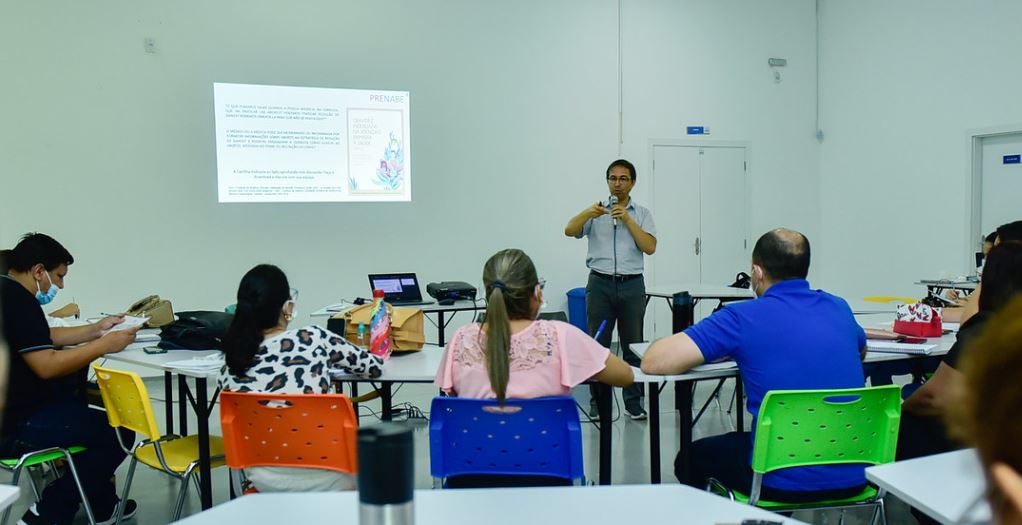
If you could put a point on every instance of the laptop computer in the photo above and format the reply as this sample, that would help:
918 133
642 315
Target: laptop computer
400 289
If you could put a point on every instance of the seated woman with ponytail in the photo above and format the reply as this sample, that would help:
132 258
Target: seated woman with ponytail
263 355
514 356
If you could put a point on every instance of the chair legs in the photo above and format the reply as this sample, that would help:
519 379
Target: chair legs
879 511
127 489
81 490
185 478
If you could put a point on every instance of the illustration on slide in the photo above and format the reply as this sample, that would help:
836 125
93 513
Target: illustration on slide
390 174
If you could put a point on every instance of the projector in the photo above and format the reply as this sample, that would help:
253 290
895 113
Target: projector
449 291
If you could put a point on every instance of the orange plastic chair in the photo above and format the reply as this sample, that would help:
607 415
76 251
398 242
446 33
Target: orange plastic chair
288 430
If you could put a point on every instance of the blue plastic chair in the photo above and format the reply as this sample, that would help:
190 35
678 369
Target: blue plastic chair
527 437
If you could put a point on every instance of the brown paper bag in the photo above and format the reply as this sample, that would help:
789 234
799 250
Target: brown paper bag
406 326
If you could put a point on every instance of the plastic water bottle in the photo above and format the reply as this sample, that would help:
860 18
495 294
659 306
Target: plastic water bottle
379 326
386 475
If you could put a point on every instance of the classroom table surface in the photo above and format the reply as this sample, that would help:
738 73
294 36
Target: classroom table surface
554 505
331 310
8 496
943 486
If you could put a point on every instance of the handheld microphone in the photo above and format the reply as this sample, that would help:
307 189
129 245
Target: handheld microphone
613 202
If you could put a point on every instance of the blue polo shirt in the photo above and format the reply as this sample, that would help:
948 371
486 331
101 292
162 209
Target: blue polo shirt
792 338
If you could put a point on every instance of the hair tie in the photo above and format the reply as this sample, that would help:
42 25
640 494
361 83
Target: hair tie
499 284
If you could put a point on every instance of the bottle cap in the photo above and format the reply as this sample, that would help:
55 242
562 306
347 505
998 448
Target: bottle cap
377 294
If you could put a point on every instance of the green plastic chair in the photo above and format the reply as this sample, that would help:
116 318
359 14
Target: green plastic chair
801 428
38 458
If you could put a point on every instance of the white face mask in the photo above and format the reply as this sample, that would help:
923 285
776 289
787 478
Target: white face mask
294 310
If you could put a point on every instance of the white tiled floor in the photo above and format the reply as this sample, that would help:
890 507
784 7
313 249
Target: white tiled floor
155 492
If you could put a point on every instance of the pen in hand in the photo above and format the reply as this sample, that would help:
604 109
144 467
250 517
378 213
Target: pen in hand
599 331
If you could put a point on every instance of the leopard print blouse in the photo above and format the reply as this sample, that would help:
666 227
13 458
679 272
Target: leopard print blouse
297 362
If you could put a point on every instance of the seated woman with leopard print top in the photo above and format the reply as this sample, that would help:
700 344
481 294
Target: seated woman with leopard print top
263 355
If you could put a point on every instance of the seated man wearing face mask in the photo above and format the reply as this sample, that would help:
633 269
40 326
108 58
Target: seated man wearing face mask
41 410
791 338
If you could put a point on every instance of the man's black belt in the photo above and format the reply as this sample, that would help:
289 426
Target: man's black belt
618 278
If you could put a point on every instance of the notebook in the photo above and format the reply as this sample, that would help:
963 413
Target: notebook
400 289
891 347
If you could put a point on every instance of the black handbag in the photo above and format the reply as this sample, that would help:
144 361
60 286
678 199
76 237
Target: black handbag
198 330
742 280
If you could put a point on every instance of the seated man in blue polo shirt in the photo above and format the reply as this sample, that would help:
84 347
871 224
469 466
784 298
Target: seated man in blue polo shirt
790 338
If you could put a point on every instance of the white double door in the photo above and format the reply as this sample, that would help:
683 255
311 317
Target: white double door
700 205
1001 182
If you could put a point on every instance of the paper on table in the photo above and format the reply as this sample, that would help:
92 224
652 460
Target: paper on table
900 348
707 367
209 362
129 322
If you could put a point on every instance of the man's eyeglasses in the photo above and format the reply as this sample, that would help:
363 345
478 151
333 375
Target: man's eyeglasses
542 283
622 180
294 295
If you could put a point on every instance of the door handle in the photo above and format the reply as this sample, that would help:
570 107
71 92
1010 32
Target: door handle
698 245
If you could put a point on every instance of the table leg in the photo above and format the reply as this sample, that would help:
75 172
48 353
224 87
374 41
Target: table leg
182 407
387 401
683 401
654 432
354 394
739 404
604 398
441 341
168 396
202 411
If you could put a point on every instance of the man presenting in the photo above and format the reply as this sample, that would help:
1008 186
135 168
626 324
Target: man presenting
620 232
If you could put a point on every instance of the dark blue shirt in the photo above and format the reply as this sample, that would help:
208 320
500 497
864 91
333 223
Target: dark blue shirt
792 338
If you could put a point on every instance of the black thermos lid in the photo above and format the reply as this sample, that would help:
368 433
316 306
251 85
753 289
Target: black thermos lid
386 464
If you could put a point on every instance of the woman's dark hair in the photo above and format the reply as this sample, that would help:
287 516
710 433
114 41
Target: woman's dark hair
510 280
985 414
261 296
1002 276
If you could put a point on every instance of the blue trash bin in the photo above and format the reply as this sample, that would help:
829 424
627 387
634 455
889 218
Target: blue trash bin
577 309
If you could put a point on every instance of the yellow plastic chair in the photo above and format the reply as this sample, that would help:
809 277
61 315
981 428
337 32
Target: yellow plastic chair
890 299
127 405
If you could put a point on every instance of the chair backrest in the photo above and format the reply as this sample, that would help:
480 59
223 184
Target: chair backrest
289 430
127 401
548 316
526 437
798 428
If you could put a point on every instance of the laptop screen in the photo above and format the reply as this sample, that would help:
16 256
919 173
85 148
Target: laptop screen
399 286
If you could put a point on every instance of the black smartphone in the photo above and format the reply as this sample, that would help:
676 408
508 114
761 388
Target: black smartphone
154 350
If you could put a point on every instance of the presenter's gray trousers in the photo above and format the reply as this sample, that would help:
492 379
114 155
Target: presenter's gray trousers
621 304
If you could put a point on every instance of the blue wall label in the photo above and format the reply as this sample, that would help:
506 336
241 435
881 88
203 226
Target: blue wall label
696 130
1008 159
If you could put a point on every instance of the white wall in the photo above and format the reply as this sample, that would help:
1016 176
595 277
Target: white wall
705 63
514 116
901 84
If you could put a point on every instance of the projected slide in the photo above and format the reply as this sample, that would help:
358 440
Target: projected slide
298 144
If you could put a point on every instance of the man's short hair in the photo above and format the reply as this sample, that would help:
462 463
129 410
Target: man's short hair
622 163
38 248
1010 232
783 254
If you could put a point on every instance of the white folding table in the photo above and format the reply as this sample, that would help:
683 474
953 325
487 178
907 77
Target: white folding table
544 505
944 486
